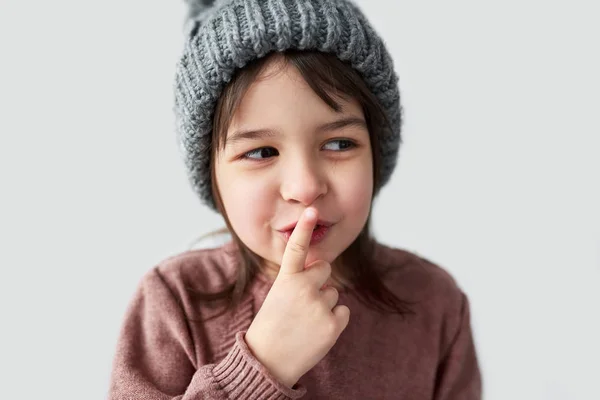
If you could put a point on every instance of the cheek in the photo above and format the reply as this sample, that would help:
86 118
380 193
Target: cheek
355 188
241 193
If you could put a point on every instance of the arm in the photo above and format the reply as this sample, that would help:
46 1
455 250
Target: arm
155 356
458 375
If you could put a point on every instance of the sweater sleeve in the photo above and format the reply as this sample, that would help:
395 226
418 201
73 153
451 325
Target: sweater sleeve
155 356
458 375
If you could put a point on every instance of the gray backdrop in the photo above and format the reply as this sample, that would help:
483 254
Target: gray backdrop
497 180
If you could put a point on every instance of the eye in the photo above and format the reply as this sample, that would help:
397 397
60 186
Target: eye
340 145
261 153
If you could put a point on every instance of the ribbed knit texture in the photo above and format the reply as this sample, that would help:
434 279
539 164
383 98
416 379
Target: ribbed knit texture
241 376
229 34
174 347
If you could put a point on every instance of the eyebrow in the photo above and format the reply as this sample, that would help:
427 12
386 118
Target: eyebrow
256 134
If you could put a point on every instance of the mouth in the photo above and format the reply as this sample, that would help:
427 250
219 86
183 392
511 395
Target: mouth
320 224
319 231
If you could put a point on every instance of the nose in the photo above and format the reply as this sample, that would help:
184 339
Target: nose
303 182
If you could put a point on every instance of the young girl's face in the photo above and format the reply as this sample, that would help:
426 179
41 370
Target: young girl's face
286 149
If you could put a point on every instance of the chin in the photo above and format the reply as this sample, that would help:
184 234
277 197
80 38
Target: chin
315 254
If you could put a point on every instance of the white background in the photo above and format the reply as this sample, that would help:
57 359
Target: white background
498 180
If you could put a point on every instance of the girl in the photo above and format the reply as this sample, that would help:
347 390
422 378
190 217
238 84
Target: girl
289 119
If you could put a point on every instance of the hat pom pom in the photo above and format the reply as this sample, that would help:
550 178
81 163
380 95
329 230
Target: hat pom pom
199 11
197 7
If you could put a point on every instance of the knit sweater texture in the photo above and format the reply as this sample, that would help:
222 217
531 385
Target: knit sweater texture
171 346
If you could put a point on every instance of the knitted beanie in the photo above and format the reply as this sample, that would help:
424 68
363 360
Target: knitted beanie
224 35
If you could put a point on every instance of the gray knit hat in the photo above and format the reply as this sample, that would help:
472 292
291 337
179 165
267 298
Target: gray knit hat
224 35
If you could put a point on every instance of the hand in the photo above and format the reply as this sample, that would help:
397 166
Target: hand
298 322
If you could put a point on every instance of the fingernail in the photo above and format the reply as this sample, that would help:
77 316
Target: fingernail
310 213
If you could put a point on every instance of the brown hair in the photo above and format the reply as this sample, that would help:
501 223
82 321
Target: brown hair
330 78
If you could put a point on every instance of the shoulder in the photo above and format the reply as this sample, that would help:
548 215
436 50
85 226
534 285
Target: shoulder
190 278
169 293
182 280
440 306
206 270
416 278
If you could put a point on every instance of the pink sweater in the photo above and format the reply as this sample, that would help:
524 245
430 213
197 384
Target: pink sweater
162 355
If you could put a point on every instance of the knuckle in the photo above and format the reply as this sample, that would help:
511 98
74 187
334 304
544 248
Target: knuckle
305 291
346 312
346 315
331 292
335 294
297 247
323 266
331 328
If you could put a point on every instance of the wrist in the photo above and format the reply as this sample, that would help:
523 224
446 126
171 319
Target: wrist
285 378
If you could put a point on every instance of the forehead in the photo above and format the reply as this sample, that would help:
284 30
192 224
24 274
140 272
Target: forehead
280 95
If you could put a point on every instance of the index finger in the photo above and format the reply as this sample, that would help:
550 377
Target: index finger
297 246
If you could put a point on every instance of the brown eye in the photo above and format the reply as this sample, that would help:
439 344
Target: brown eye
261 153
339 145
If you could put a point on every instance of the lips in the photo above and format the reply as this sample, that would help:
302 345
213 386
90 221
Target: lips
320 223
318 234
